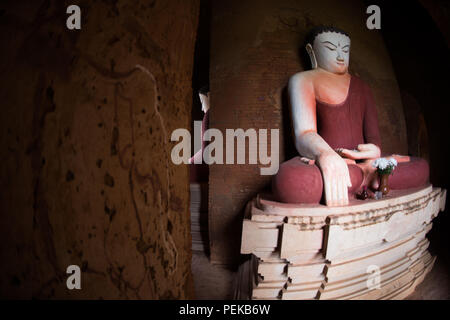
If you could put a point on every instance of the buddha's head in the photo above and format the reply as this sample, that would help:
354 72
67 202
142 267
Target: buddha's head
203 93
329 49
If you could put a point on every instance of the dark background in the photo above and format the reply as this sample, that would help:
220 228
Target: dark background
416 34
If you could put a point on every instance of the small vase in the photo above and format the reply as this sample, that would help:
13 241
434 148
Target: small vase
384 184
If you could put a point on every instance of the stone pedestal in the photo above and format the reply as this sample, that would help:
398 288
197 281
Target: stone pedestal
372 249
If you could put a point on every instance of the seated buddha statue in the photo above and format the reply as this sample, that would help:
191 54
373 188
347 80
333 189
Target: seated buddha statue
336 131
199 171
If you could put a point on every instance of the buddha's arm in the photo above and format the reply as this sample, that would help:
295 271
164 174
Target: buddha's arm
307 142
197 158
310 144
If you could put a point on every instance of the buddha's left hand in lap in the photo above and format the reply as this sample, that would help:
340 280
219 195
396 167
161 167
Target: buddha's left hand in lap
368 152
363 152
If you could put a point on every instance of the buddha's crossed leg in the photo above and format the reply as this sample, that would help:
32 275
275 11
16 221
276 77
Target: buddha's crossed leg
300 182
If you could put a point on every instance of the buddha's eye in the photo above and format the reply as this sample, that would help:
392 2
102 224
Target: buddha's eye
329 48
345 50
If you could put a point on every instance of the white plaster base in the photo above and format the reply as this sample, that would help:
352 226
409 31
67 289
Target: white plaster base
319 252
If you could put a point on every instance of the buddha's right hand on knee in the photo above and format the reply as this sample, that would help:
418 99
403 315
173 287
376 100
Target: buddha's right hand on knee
336 178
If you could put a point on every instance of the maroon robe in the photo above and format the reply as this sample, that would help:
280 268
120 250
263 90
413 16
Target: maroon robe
352 122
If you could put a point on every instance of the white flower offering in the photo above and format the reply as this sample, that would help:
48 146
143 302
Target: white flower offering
385 166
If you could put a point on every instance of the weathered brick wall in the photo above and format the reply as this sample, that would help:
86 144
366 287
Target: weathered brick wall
255 47
86 175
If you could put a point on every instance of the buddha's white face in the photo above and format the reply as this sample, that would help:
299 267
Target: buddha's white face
332 51
204 99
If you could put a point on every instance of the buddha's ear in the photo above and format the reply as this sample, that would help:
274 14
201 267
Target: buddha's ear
312 56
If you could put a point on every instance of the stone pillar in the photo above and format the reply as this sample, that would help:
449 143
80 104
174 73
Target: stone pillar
86 174
255 47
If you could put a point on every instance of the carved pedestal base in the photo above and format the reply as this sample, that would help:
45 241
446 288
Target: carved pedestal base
373 249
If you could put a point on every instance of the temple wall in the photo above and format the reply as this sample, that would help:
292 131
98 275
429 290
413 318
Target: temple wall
255 47
86 176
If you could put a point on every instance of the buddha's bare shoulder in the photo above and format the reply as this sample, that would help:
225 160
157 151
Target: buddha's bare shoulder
303 78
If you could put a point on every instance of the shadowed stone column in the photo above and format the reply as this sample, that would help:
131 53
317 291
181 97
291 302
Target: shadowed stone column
86 174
